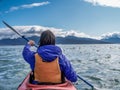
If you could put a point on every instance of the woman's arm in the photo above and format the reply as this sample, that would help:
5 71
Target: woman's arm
67 69
28 56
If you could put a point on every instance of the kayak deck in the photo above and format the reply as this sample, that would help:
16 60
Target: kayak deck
25 85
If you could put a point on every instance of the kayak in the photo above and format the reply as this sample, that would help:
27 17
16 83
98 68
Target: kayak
25 85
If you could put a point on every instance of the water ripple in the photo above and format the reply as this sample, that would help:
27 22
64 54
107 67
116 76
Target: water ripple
98 64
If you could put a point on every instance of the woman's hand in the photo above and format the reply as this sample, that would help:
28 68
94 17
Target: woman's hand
31 43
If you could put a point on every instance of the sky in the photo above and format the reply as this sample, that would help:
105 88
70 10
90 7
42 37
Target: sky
88 17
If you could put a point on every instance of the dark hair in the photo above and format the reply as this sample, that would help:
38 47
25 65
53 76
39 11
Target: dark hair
47 38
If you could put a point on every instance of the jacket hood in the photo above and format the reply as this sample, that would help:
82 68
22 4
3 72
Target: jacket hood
49 52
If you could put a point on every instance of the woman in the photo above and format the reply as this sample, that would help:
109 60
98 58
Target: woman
48 64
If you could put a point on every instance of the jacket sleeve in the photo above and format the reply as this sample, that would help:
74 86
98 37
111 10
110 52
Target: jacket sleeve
67 69
28 56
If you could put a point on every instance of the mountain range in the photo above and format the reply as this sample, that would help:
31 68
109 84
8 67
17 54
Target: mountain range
8 37
113 38
59 40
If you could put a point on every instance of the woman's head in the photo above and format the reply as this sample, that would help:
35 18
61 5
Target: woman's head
47 38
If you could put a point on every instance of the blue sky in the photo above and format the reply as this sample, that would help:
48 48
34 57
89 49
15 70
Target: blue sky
93 17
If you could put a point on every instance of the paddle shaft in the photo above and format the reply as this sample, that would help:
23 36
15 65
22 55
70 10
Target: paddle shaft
37 46
86 82
17 32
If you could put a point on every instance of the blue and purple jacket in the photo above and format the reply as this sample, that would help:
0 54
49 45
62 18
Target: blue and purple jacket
49 53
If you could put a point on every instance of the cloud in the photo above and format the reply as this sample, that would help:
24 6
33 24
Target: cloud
110 35
35 5
35 30
105 3
27 6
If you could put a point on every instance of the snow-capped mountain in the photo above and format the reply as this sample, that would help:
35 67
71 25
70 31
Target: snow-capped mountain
111 37
8 37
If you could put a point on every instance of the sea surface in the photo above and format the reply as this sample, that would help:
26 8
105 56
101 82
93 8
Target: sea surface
98 64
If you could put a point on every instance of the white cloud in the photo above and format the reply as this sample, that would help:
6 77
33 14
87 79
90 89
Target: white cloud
35 5
110 34
27 6
105 3
77 34
35 30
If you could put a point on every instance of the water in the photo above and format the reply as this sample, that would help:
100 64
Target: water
99 64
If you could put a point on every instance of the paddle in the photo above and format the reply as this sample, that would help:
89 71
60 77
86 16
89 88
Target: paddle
86 82
17 32
37 46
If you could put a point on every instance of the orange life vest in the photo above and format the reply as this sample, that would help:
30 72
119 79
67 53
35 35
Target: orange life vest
47 72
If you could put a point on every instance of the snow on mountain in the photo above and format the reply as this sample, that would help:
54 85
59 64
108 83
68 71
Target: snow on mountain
111 35
35 30
7 36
